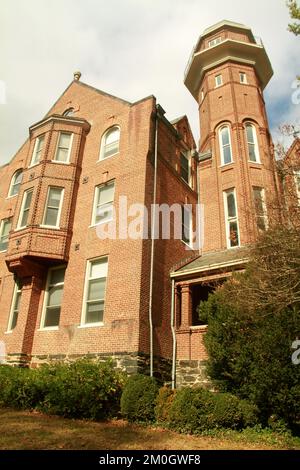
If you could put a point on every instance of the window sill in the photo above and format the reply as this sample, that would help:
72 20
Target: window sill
91 325
60 163
9 332
254 163
51 227
107 158
10 197
20 228
3 251
186 244
34 164
101 223
49 328
226 166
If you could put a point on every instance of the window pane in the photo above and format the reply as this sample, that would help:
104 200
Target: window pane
51 217
231 205
54 197
98 269
233 230
106 194
250 134
28 197
57 276
227 154
52 316
252 154
184 168
258 201
111 149
62 155
94 312
96 289
112 136
261 223
54 296
14 320
225 136
40 143
64 140
104 213
27 202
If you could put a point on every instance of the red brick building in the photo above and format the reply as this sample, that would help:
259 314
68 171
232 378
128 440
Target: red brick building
64 291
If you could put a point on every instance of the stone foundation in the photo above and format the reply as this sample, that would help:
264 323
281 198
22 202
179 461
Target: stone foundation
192 373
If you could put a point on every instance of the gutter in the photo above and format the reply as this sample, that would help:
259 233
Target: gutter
173 335
209 267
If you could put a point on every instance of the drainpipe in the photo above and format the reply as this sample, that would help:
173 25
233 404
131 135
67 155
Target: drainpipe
153 229
173 335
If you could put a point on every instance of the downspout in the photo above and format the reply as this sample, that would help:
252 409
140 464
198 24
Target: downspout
153 229
173 335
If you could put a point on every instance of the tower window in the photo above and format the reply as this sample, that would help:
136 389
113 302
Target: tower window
53 298
225 145
231 218
252 143
25 207
110 143
103 203
184 167
94 294
243 78
15 307
186 224
214 42
4 233
38 148
218 80
64 146
15 183
260 208
53 207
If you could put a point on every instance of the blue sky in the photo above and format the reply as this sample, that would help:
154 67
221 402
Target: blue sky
129 48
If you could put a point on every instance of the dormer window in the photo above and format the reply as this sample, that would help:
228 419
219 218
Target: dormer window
110 143
69 112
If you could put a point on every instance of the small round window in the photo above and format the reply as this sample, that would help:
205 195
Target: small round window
69 112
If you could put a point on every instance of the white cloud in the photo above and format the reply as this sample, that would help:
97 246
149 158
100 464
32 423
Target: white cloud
130 48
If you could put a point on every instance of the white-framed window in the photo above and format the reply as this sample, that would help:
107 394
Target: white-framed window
38 149
214 42
53 207
186 224
218 80
297 183
25 208
225 145
103 203
243 78
110 143
64 145
15 307
4 233
15 183
231 218
260 208
185 170
53 298
94 292
252 143
202 95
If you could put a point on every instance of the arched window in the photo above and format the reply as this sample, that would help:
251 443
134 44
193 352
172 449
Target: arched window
252 143
225 145
15 183
110 142
68 112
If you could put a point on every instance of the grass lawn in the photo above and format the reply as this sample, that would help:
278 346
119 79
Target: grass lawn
25 430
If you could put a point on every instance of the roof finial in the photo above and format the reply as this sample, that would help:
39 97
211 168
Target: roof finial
77 75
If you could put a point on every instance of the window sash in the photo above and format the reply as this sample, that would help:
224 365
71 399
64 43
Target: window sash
243 77
94 299
64 146
4 234
225 144
260 208
16 183
53 207
38 148
110 143
231 215
103 206
25 208
214 42
54 290
252 143
184 168
186 225
219 80
15 307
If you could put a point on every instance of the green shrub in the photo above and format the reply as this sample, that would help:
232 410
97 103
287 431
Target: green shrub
139 398
81 389
163 404
196 410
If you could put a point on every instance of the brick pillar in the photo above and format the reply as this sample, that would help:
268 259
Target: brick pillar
186 306
31 293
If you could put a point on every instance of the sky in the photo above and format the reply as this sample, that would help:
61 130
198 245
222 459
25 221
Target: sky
131 49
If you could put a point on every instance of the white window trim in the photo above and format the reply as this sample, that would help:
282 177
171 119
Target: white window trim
67 162
37 139
215 41
57 226
10 318
256 148
245 77
85 292
225 193
46 296
101 153
1 228
216 83
221 145
19 227
12 183
96 197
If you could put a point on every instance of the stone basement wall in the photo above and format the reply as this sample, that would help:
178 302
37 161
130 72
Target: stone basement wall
132 363
192 373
